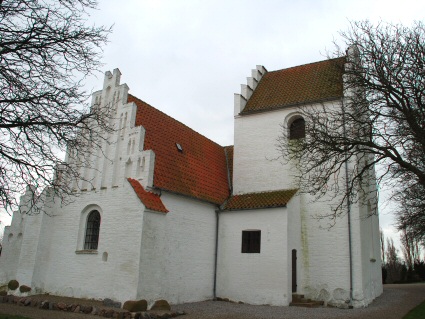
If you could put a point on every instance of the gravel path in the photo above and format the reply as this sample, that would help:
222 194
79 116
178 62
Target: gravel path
395 302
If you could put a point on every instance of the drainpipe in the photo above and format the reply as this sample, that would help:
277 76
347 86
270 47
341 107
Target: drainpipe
348 207
217 212
217 219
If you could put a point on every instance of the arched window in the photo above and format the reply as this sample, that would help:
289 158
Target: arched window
297 129
92 230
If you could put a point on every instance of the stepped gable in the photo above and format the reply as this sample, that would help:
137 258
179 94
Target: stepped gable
150 200
314 82
197 170
260 200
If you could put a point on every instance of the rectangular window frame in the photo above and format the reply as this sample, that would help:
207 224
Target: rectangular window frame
251 242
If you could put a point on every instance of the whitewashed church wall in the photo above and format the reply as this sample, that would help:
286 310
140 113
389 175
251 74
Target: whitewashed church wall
112 272
295 242
325 249
177 256
10 251
42 248
368 283
27 256
256 278
257 166
13 239
326 253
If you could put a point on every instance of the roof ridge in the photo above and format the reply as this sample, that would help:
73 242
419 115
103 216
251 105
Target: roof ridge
305 64
135 97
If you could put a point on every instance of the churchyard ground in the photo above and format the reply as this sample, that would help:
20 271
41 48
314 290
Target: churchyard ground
395 303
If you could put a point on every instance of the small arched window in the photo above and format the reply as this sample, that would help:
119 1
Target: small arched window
297 129
92 230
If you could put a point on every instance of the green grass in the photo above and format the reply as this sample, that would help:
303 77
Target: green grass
12 317
416 313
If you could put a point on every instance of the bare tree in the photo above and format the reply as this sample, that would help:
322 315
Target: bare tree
380 120
393 264
409 248
412 212
382 238
46 49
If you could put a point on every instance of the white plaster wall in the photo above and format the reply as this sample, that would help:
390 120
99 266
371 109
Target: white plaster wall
65 272
323 253
295 242
10 253
177 258
256 164
42 248
368 283
27 256
254 278
12 240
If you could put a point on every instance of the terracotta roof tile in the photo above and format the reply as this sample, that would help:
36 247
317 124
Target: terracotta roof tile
199 170
260 200
306 83
150 200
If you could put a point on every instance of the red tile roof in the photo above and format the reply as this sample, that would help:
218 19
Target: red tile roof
199 170
307 83
150 200
260 200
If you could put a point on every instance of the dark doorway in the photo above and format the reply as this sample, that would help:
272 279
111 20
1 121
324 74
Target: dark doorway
294 270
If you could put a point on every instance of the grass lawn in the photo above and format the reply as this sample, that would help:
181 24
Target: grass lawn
12 317
416 313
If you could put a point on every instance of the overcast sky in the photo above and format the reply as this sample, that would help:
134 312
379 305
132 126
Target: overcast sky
187 58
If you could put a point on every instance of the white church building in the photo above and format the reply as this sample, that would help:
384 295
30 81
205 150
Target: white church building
173 215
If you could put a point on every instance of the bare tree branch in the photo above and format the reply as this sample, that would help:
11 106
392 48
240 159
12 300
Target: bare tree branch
379 121
45 48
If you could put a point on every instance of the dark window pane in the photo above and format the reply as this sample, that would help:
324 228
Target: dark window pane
297 129
251 241
92 230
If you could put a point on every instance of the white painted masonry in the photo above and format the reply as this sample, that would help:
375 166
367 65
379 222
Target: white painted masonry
147 254
250 277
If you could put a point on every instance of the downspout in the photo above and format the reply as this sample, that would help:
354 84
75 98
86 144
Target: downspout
347 186
217 220
217 212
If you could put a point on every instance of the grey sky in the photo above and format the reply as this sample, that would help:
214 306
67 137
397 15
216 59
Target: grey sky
187 58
